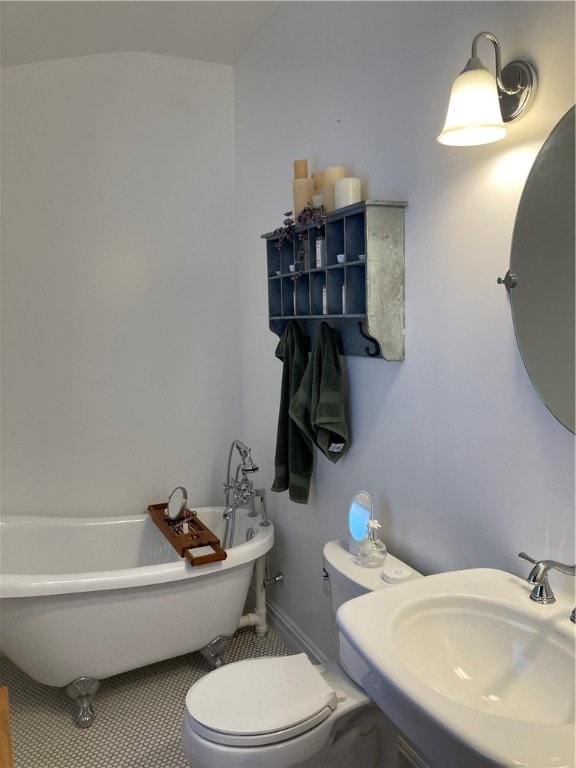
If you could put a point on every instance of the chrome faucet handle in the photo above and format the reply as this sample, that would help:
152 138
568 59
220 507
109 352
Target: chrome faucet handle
548 565
538 577
524 556
538 574
569 570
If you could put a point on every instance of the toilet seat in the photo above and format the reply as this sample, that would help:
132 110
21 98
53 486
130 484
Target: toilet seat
260 701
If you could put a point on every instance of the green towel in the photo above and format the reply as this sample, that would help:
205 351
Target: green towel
318 405
294 459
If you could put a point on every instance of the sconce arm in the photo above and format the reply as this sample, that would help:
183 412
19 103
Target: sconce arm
501 87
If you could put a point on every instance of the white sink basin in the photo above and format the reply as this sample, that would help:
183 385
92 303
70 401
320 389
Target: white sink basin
468 667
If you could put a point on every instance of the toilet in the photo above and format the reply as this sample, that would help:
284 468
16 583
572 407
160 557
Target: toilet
285 711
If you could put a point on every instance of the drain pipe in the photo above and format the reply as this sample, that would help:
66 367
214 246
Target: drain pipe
257 618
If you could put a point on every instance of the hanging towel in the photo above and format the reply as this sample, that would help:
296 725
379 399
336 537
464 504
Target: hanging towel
294 459
318 405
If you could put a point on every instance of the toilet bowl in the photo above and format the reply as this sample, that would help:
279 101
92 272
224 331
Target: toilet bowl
275 712
284 711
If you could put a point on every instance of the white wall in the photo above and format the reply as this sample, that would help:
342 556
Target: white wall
119 286
465 464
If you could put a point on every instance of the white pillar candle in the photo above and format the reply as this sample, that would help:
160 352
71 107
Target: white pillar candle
330 176
346 192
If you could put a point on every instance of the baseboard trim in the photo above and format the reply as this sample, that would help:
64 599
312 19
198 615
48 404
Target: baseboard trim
292 634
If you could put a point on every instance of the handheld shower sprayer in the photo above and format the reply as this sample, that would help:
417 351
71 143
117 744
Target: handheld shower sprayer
248 463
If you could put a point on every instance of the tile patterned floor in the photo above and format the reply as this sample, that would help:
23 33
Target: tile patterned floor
138 715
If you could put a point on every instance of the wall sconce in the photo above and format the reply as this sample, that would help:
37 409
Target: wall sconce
480 103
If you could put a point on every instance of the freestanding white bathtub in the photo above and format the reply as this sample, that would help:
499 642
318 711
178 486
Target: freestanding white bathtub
93 597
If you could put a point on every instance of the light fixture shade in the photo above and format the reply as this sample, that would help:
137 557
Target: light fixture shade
474 115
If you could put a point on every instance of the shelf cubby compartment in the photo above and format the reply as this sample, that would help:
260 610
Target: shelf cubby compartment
276 257
302 293
370 234
287 297
334 283
354 237
334 240
275 297
317 284
355 288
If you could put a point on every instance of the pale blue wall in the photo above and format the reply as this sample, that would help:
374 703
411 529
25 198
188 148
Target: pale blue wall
464 463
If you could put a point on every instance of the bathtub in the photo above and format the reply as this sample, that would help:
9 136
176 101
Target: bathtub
94 597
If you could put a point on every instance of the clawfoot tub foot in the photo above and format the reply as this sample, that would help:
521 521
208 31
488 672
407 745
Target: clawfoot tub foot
83 691
215 650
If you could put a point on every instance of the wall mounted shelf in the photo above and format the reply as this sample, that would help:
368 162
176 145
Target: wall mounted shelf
363 251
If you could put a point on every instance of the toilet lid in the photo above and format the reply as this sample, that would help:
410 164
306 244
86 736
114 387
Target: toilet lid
260 701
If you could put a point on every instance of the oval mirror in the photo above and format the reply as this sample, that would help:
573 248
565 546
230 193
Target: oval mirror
542 260
359 512
177 502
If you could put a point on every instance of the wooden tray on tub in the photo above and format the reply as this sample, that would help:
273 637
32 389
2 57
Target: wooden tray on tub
187 533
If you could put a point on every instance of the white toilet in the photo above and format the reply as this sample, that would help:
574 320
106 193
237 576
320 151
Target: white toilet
284 711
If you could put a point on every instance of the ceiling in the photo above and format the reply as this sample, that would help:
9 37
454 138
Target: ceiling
217 31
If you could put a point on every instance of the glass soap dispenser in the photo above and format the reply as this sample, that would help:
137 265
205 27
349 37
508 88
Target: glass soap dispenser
371 550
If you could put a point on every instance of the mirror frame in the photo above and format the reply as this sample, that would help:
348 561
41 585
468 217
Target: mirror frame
177 502
358 515
541 275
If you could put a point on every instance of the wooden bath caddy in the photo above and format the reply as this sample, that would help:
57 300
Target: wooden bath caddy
197 535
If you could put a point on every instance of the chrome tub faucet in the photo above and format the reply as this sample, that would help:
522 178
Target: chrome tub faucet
538 578
241 486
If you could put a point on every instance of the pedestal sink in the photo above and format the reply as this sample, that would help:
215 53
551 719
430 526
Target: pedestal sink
470 669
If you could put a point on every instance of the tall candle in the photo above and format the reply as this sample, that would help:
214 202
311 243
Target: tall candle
330 176
302 190
346 191
301 169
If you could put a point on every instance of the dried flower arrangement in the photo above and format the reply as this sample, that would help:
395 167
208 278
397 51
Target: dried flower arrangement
307 215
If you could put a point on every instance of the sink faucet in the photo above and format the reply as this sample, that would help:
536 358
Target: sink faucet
538 577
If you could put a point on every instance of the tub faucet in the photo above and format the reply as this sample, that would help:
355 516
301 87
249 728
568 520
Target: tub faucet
242 495
538 577
241 486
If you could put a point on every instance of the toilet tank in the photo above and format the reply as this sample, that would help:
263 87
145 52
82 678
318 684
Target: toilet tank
349 579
